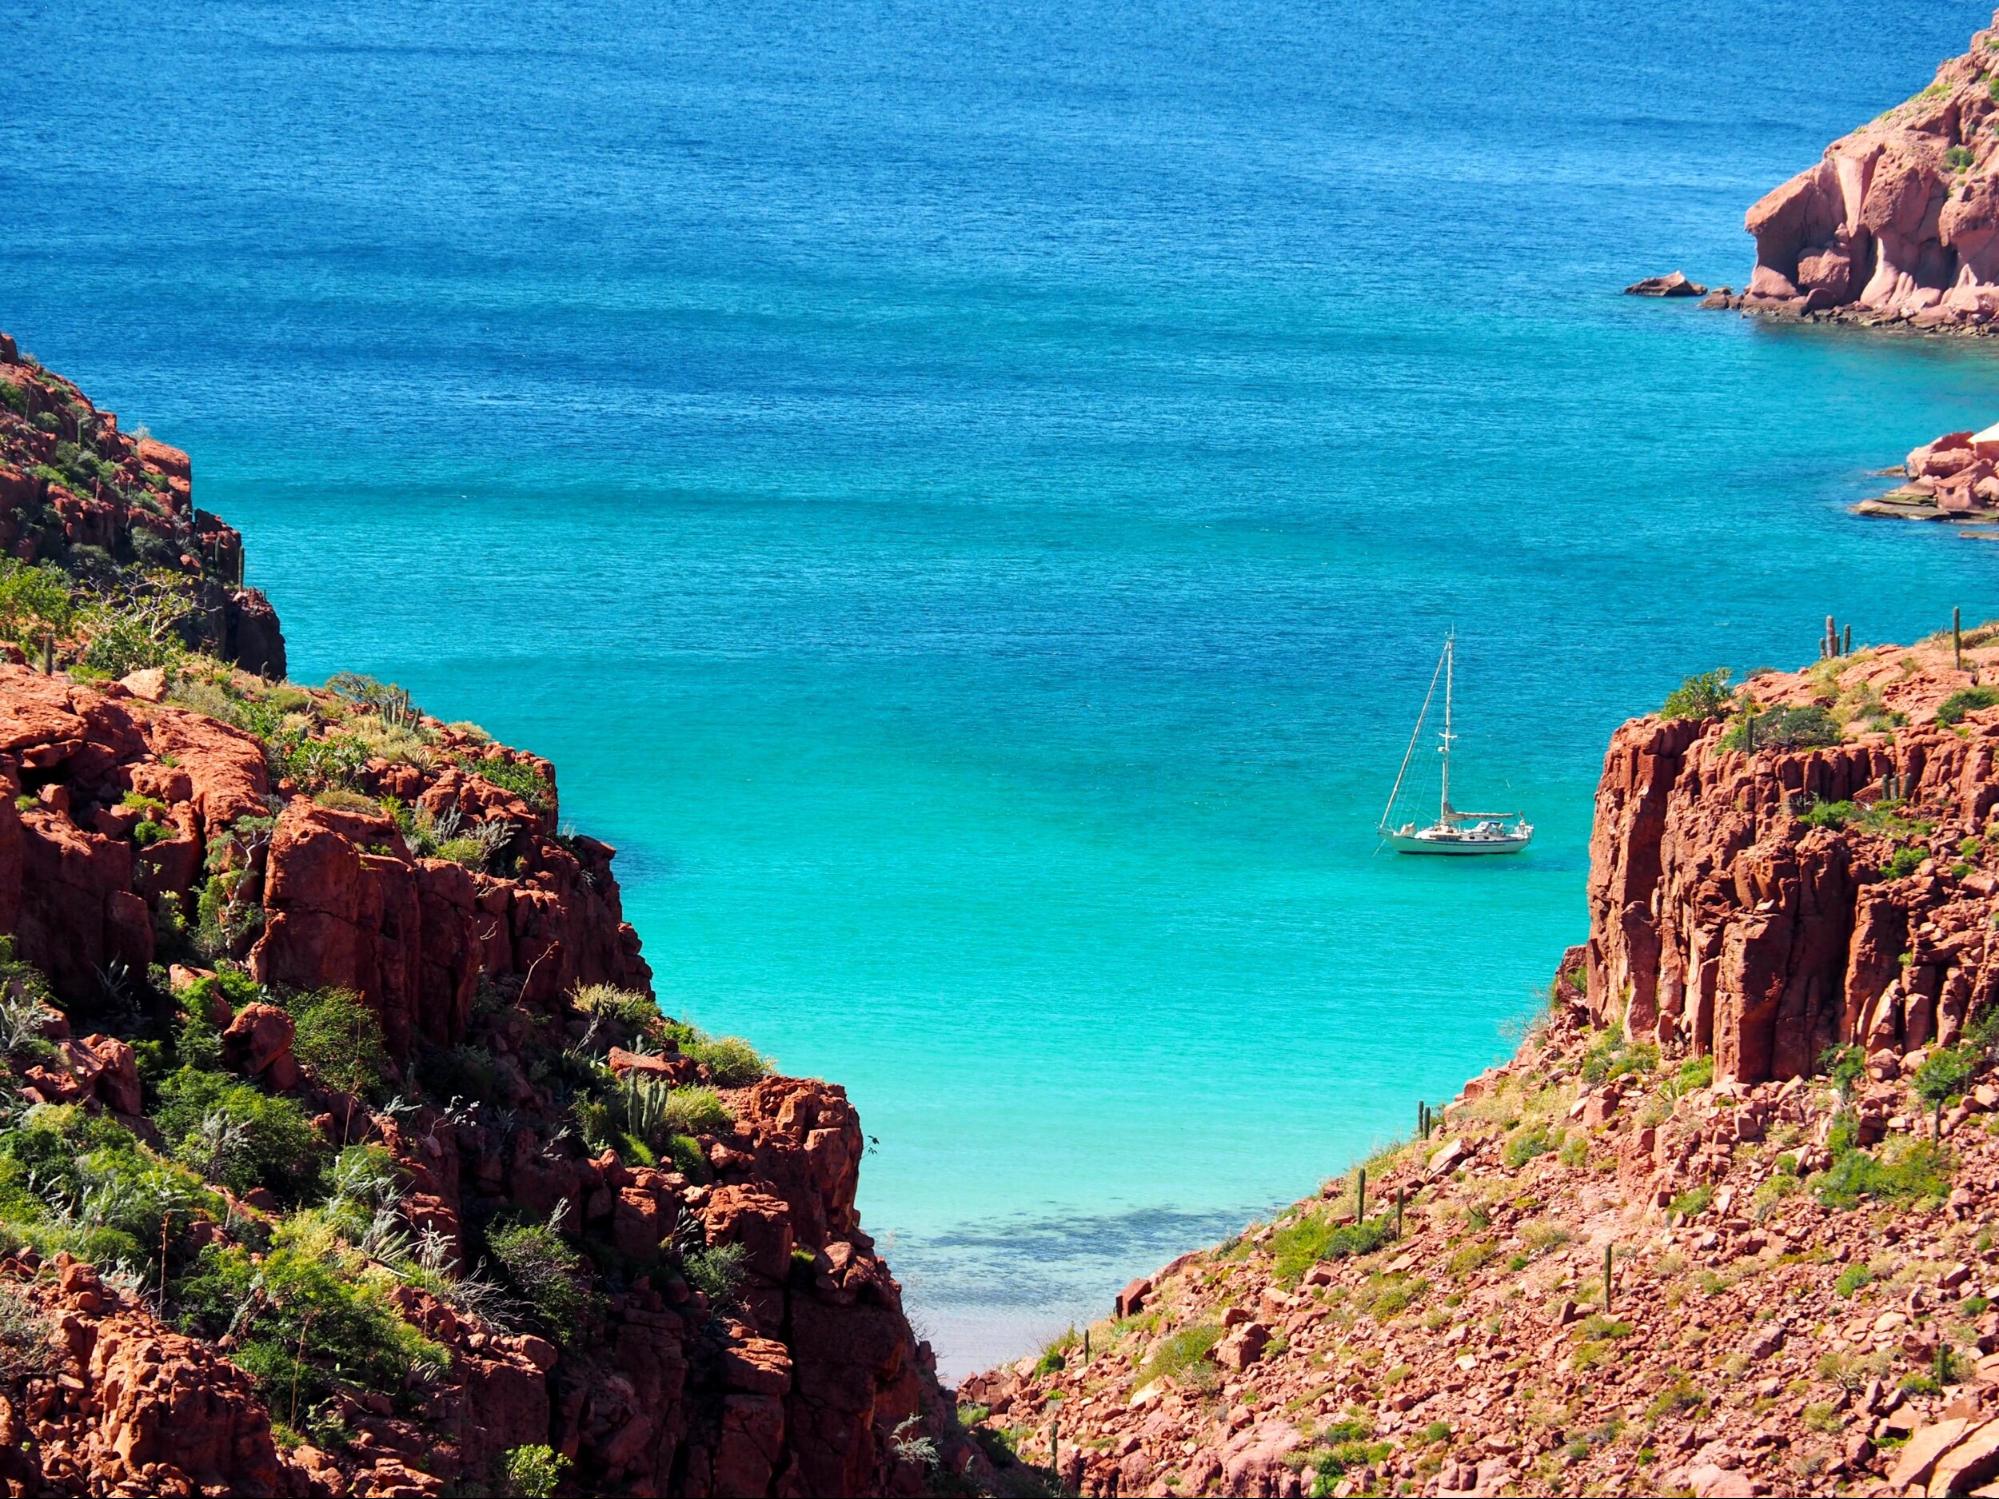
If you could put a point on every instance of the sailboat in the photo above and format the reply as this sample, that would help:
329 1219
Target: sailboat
1453 832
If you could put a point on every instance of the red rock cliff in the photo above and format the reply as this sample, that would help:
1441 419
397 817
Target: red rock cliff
197 823
1765 905
1900 220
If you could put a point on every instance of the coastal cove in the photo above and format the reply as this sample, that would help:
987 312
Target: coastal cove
983 596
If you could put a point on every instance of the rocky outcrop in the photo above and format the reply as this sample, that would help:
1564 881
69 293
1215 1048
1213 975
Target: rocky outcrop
1673 285
340 899
78 492
1764 905
1954 478
1899 223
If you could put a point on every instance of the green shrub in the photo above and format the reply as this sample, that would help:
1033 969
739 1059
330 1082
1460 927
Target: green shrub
1903 863
533 1472
1693 1202
1704 696
541 1271
716 1271
1944 1073
1827 815
624 1006
1958 158
1783 728
1913 1171
311 1316
1852 1278
36 601
1184 1356
693 1111
339 1038
234 1134
1843 1066
730 1060
521 780
1969 700
1525 1143
1313 1237
90 1186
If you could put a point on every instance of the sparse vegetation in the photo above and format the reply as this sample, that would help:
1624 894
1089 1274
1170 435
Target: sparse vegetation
1700 697
1782 728
1953 709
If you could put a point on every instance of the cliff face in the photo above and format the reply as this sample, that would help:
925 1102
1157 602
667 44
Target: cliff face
117 511
1722 1226
1900 220
1764 906
342 1148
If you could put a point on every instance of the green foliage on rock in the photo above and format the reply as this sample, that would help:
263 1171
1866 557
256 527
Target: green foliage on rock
237 1135
337 1036
1783 728
1954 708
308 1317
533 1472
1699 697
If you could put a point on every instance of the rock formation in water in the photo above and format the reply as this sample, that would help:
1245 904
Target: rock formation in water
342 1147
1954 478
1723 1226
1899 223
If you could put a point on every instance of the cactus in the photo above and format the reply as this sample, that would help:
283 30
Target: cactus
1606 1280
1086 1345
1360 1196
1829 645
1055 1452
1846 642
1957 637
1400 1194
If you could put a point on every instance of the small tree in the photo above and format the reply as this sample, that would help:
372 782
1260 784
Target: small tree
1943 1076
1699 697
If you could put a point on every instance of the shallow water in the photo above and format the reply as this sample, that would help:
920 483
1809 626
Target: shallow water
971 503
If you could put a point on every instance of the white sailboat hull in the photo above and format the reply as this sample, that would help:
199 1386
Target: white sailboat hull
1442 840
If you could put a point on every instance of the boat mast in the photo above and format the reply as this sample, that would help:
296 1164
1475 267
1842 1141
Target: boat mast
1408 754
1450 662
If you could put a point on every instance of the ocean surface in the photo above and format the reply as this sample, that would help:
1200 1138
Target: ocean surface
971 497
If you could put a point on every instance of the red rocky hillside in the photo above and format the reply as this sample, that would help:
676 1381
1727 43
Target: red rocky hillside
1723 1226
343 1149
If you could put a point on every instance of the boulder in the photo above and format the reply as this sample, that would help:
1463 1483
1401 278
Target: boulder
1674 285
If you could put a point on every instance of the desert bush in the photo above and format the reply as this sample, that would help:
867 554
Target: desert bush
237 1135
1910 1171
1184 1356
533 1472
310 1316
1704 696
1315 1236
1969 700
542 1273
340 1039
1783 728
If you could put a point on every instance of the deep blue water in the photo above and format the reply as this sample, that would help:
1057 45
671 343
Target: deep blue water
971 501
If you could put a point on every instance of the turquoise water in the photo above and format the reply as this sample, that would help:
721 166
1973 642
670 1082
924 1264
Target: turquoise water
971 504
